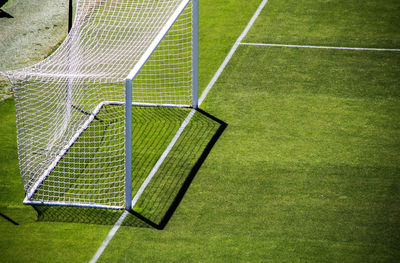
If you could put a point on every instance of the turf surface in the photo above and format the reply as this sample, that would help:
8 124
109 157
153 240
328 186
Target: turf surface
307 170
341 23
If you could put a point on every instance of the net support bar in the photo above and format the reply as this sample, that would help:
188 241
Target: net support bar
70 14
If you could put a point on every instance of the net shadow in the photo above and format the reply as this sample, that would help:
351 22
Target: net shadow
167 188
153 130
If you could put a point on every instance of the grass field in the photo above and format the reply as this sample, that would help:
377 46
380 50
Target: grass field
307 169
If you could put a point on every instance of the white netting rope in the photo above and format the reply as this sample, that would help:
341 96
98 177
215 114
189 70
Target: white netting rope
56 97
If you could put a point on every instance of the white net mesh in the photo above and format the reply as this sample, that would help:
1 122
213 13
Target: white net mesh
70 106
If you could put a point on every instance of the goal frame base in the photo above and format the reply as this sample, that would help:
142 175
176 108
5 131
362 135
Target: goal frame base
61 154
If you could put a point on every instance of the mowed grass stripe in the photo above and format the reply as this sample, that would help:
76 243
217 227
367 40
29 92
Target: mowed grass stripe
342 73
308 167
348 23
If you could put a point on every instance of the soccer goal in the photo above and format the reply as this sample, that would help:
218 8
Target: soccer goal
74 109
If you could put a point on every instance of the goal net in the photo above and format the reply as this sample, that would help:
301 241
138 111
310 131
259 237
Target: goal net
74 109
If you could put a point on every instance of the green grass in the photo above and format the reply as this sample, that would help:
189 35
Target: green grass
92 170
345 23
10 187
307 170
323 172
220 25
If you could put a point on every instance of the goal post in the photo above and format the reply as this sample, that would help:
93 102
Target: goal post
128 144
195 53
128 93
76 109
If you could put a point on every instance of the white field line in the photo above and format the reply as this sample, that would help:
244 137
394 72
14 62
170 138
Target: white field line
143 187
322 47
109 237
232 51
177 135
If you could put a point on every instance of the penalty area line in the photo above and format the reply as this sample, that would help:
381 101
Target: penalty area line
177 135
322 47
109 237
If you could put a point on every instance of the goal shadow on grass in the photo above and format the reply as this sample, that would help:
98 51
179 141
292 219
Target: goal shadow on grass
153 130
